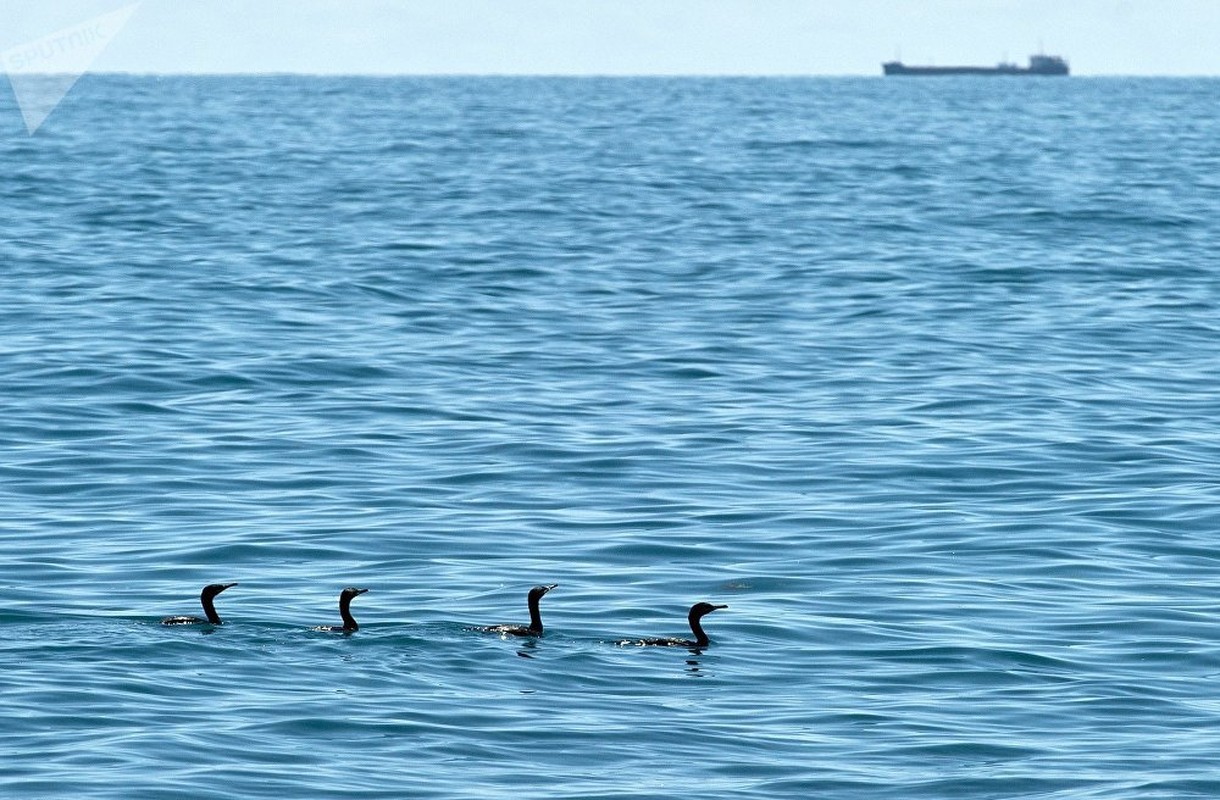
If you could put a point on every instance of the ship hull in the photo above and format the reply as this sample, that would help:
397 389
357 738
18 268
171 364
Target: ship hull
1039 65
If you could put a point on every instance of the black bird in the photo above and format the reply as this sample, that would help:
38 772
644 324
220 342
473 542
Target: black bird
697 612
349 622
209 592
535 626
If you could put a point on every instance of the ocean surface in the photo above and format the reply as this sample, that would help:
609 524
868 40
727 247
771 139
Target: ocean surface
920 377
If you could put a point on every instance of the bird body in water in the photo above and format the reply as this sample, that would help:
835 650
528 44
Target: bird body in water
349 622
205 598
697 612
535 626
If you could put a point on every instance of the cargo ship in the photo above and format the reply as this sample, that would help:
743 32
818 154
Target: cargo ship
1038 65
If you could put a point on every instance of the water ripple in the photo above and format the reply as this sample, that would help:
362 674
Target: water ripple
929 410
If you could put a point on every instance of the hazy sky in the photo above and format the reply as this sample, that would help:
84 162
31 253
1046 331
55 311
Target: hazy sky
790 37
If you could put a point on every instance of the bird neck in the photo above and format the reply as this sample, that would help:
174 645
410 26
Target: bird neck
349 622
210 610
535 615
696 628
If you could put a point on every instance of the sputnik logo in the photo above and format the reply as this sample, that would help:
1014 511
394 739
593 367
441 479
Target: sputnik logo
43 71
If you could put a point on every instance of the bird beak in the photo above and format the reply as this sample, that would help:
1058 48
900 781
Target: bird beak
361 591
719 606
228 585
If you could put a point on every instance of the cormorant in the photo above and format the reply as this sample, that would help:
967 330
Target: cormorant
349 622
535 626
697 612
210 591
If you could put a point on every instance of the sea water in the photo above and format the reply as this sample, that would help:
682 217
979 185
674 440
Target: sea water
920 377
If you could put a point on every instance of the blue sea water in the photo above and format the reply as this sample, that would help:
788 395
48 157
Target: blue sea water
920 377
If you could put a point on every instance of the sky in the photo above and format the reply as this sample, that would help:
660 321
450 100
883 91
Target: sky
625 37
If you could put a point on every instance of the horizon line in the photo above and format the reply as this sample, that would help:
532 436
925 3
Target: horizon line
394 74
